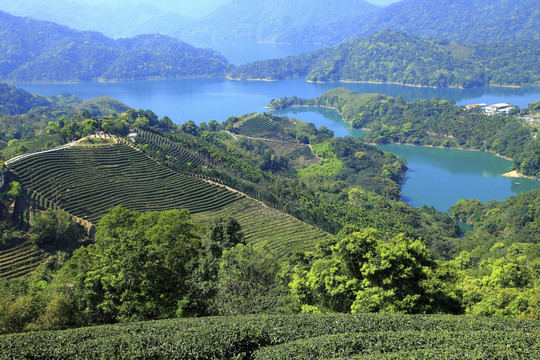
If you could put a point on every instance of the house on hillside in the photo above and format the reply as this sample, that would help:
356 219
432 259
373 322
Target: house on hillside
475 106
501 108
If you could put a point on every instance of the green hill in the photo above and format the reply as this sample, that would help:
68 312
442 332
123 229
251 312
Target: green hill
88 181
40 51
390 56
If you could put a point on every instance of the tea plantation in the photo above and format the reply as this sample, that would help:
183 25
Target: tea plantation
88 181
364 336
170 148
282 233
20 260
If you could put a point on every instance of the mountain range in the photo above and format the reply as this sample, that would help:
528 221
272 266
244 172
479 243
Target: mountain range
302 21
459 20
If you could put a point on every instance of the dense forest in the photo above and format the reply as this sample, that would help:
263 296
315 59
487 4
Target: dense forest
433 122
39 51
390 56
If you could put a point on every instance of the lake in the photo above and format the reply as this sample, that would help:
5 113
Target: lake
437 177
242 51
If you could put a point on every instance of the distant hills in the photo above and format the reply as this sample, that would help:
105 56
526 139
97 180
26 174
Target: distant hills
463 20
264 20
459 20
327 22
331 22
39 51
115 19
397 57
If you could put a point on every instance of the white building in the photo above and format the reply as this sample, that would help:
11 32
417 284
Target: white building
501 108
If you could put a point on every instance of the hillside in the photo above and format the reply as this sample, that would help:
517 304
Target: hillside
458 20
254 184
90 180
397 57
39 51
463 20
262 20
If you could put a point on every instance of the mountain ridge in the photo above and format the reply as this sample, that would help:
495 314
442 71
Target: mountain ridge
40 51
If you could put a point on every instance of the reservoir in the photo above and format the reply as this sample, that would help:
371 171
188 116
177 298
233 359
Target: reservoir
436 177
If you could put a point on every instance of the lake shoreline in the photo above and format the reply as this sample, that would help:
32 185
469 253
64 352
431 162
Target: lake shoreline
379 82
511 174
516 175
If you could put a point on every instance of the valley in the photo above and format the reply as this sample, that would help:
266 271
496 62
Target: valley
252 179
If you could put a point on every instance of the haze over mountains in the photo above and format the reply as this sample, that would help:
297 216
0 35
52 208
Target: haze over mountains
302 21
270 20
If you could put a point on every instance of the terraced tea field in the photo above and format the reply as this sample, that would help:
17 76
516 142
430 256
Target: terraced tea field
168 147
260 126
20 260
88 181
284 234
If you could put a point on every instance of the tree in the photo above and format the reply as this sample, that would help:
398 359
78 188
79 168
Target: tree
15 188
166 123
248 282
222 235
364 272
55 229
190 128
139 266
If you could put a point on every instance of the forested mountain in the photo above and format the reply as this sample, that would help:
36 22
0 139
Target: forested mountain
460 20
463 20
112 19
397 57
35 51
264 20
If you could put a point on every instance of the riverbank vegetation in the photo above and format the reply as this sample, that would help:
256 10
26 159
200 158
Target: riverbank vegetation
433 122
393 57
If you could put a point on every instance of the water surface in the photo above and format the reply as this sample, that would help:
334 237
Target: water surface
203 99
